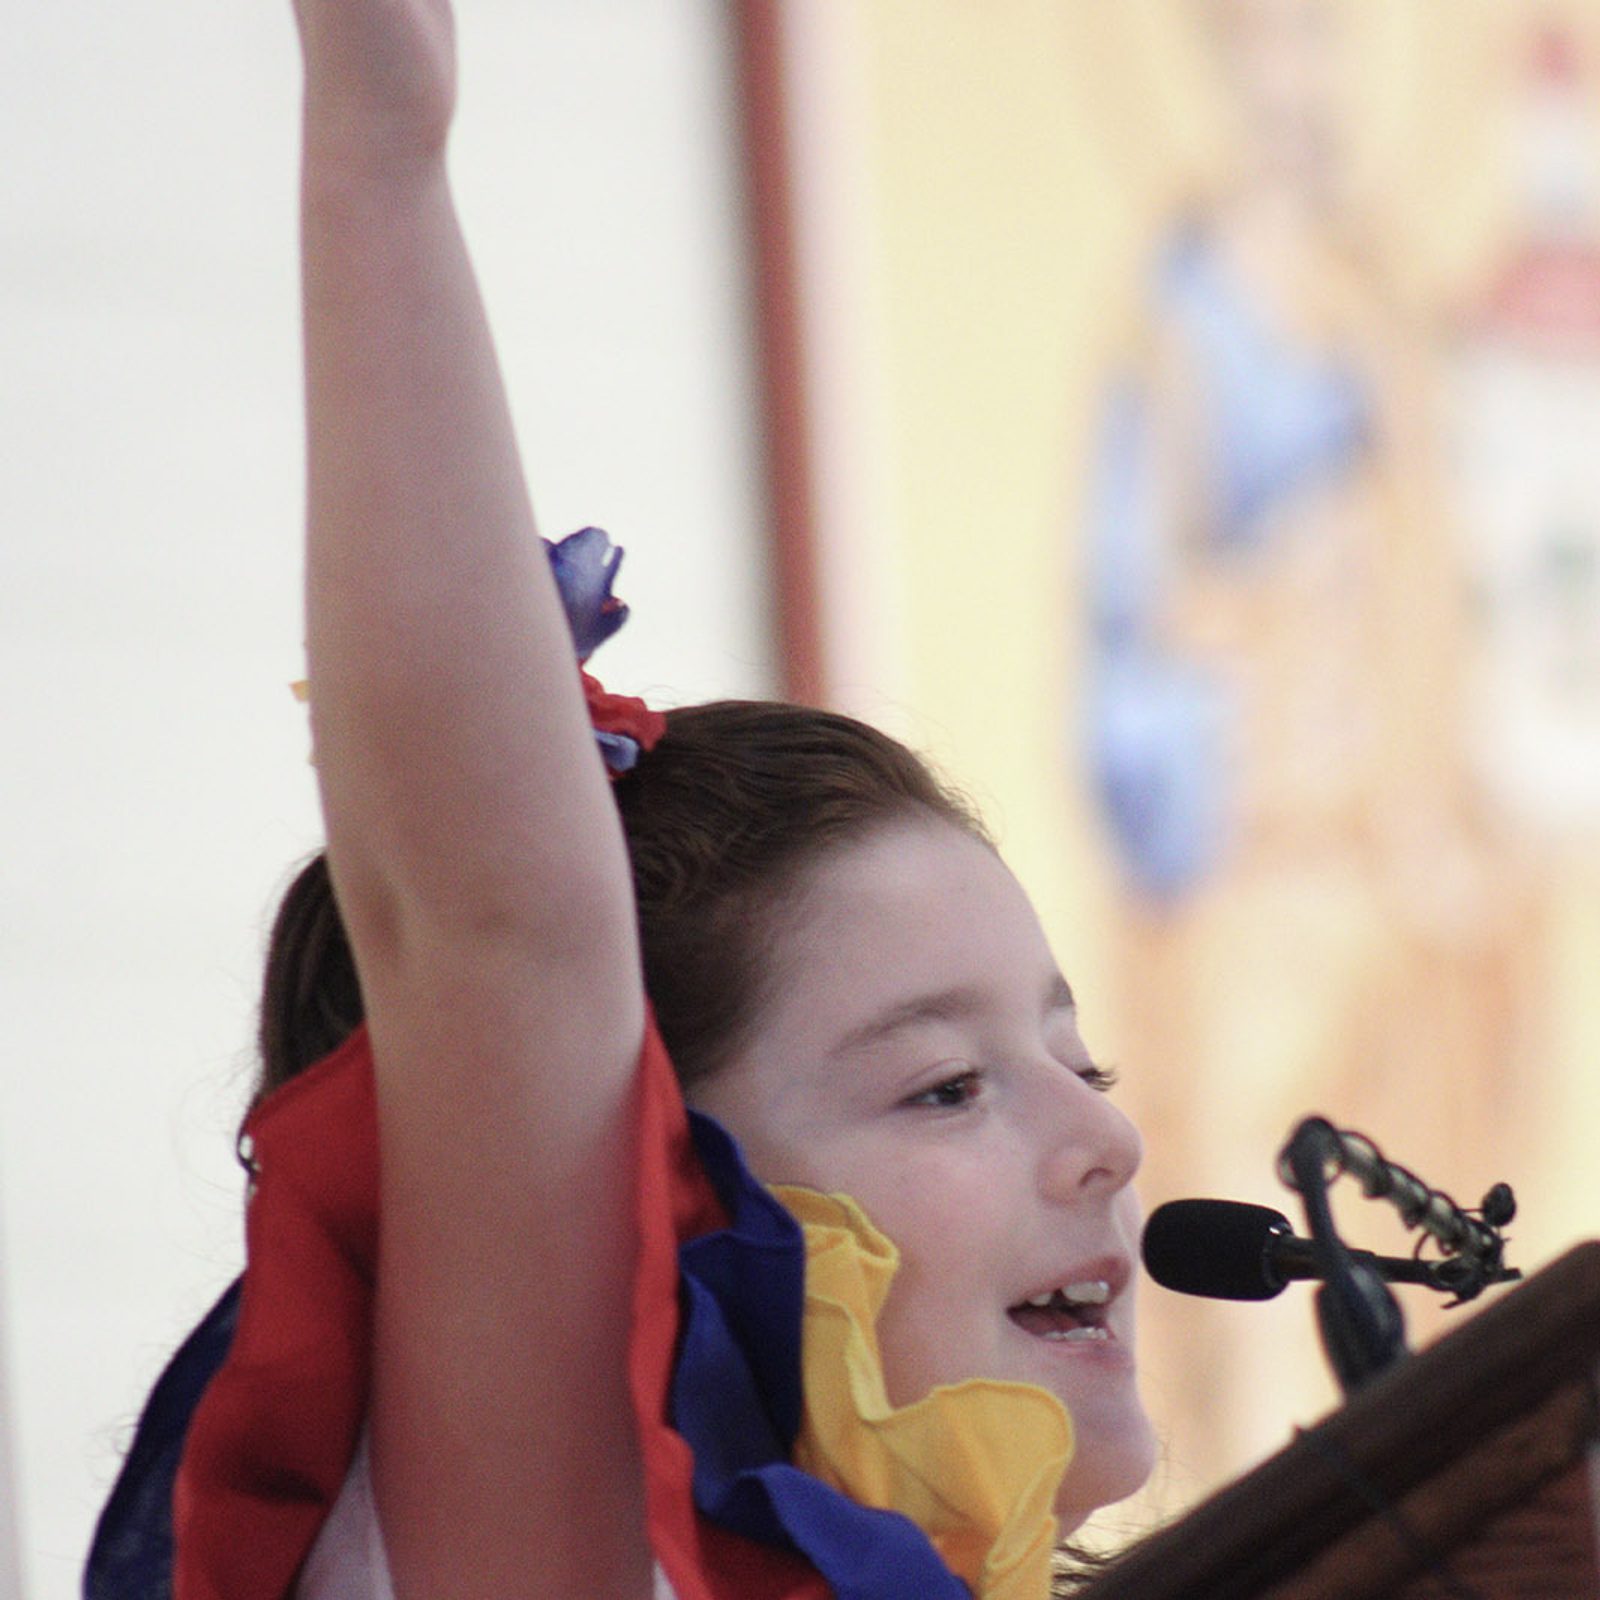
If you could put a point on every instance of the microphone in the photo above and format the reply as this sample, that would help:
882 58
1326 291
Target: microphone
1232 1250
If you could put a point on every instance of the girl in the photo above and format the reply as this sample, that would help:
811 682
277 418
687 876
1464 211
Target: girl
844 974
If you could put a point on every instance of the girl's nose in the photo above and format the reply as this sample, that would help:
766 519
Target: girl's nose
1091 1145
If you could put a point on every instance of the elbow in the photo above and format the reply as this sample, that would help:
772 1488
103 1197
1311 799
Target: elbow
507 915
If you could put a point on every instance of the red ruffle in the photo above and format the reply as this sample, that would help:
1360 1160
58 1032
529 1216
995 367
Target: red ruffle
273 1436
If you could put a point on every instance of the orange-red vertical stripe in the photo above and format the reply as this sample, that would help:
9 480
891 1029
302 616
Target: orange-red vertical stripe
780 345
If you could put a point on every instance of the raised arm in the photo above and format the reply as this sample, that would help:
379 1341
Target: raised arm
479 866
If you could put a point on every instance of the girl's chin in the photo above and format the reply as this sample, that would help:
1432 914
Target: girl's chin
1105 1470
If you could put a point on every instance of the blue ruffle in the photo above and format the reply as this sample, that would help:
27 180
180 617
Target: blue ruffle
131 1555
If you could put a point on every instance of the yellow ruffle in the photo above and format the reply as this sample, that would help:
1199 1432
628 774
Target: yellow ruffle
975 1465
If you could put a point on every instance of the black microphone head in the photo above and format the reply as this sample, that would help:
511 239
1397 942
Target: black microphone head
1217 1248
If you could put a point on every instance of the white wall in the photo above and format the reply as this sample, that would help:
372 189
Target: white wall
156 787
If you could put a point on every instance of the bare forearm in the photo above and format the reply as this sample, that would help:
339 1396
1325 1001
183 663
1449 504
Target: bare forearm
443 687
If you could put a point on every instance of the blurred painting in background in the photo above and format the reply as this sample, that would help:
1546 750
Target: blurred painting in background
1319 913
1236 368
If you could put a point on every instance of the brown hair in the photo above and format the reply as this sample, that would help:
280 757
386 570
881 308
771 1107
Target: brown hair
722 818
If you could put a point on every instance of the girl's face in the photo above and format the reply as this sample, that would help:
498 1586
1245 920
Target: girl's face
921 1054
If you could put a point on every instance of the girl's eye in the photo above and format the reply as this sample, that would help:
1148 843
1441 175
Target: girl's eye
955 1091
1097 1077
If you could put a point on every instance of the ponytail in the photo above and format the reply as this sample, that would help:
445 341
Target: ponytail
310 997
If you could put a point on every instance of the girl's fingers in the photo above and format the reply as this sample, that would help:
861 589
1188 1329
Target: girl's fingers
380 70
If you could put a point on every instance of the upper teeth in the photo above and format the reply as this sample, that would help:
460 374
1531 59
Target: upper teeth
1095 1292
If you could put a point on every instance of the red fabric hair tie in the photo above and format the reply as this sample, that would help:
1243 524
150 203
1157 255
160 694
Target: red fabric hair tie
584 565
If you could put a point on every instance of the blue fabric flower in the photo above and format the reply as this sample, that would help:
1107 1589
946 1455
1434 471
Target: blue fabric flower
584 565
619 751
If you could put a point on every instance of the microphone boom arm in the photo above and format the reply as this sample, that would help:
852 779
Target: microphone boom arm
1473 1246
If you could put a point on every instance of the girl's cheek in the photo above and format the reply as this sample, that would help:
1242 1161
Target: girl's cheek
926 1209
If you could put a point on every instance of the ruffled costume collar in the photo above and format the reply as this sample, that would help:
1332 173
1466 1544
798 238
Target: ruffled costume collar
775 1467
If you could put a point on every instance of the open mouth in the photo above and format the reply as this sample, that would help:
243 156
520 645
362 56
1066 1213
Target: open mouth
1075 1313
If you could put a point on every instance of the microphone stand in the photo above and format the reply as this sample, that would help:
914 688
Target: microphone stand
1363 1330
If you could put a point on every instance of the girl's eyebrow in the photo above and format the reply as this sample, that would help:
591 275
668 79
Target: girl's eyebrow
941 1005
938 1005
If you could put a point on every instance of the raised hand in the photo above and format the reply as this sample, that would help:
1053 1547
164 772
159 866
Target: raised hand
380 77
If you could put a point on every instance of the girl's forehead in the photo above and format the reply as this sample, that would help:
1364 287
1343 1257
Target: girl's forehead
910 863
919 917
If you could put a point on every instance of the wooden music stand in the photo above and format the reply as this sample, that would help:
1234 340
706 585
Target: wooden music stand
1477 1455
